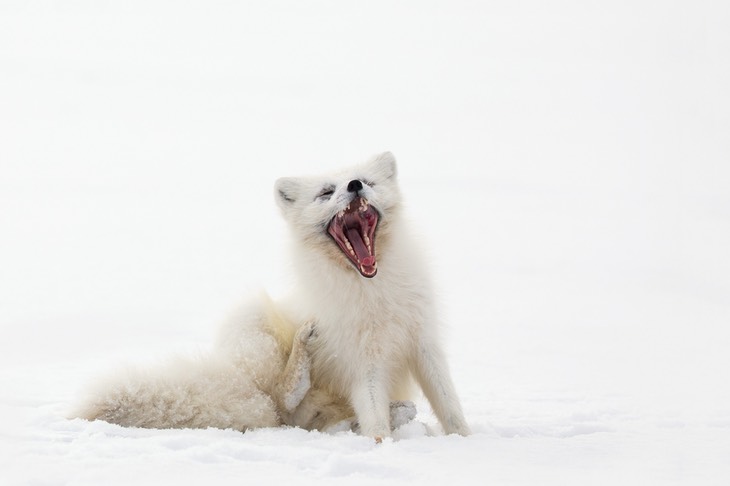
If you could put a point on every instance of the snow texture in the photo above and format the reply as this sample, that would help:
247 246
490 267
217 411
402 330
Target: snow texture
567 164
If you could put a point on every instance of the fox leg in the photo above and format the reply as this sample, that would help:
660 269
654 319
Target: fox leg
370 400
432 373
295 381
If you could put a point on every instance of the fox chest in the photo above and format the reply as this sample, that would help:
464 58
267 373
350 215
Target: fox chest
345 348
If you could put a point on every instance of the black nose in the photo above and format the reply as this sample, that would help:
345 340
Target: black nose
354 186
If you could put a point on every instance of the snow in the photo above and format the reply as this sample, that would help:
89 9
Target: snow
567 163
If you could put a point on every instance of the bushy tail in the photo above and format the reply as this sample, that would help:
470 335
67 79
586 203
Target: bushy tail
185 393
229 388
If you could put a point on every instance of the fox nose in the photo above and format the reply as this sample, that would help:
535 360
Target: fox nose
354 186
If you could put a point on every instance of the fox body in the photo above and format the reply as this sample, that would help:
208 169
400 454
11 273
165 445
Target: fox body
342 351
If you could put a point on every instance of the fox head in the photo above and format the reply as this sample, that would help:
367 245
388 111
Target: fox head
346 216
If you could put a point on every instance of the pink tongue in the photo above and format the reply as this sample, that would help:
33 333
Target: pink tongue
363 255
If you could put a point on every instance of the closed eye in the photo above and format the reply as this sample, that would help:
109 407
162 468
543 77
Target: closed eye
326 193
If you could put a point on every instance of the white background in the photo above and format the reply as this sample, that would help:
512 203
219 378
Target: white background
567 164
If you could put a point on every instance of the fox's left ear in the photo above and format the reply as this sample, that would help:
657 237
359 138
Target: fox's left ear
286 191
385 165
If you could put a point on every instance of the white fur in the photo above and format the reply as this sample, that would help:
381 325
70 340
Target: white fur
341 344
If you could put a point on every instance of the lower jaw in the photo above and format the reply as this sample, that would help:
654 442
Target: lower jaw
351 267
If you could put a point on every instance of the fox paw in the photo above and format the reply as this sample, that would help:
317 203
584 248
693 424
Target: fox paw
306 332
401 412
306 336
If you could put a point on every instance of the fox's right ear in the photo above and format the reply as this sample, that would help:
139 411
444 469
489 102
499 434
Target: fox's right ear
385 165
286 191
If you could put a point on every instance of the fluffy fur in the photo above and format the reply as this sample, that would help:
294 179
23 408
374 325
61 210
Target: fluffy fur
344 349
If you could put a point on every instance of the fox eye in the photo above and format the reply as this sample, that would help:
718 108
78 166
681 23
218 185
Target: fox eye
326 193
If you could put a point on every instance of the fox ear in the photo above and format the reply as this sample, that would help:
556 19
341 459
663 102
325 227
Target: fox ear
385 165
286 191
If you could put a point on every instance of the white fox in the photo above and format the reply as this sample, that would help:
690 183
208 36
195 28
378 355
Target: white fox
342 351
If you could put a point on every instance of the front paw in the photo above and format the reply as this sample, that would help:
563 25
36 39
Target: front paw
457 425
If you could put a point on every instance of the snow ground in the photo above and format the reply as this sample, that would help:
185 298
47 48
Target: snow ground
567 164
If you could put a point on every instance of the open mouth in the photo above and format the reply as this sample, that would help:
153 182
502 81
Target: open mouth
353 229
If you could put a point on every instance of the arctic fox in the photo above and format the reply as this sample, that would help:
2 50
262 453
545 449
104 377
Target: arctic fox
342 351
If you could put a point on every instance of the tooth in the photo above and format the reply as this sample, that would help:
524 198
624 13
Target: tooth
366 240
